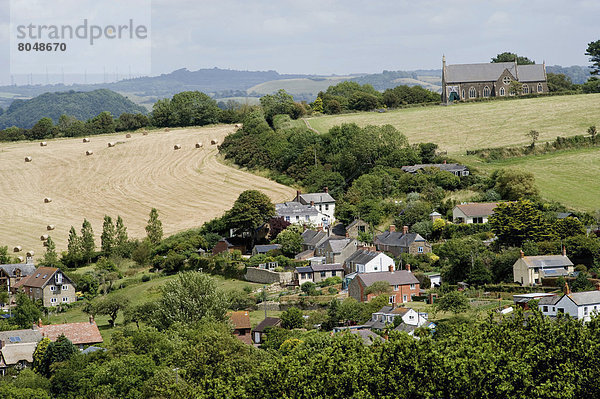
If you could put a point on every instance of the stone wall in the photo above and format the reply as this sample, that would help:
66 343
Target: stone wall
264 276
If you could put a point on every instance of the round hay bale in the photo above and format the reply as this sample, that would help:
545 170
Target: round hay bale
47 200
199 145
214 141
20 259
111 144
144 133
88 152
177 147
50 227
43 144
86 140
17 248
28 159
238 125
30 253
44 237
167 129
128 136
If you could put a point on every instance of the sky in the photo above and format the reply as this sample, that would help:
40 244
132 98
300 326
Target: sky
342 37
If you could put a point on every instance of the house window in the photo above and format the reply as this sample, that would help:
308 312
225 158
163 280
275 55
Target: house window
65 287
361 229
307 218
585 310
502 91
326 207
554 308
412 286
545 309
506 80
525 89
65 299
463 94
297 218
52 288
303 276
486 91
420 250
540 88
52 300
320 207
287 218
392 298
411 317
405 298
333 273
30 290
561 310
396 288
322 274
472 92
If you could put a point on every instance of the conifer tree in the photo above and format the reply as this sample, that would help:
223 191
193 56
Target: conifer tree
121 237
87 241
108 236
154 228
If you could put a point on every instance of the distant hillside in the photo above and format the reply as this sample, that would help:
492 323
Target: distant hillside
82 105
578 74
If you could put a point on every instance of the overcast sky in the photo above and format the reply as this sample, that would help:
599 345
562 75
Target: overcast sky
348 36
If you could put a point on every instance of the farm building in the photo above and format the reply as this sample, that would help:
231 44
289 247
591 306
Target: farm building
464 82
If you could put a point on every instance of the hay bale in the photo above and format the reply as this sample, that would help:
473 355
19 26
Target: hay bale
88 152
199 145
167 129
47 200
111 144
28 159
17 248
177 147
44 237
144 133
238 125
128 136
20 259
86 140
214 141
30 253
50 227
43 144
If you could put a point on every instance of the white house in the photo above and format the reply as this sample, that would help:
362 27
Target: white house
387 314
366 261
295 212
580 305
323 202
530 270
473 212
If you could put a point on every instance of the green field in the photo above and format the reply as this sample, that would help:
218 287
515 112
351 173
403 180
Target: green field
460 127
297 86
570 177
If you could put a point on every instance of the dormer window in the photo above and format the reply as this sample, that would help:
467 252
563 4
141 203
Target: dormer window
506 80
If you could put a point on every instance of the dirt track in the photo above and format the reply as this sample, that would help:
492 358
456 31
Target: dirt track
188 186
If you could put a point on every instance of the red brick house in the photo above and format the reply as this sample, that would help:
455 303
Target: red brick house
404 285
230 244
241 326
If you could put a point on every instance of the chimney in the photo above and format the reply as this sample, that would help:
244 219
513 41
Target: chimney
408 267
298 192
326 189
91 319
567 289
347 234
312 203
522 254
391 268
444 162
405 229
564 250
39 323
392 228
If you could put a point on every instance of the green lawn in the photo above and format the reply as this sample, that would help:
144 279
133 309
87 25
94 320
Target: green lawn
459 127
570 177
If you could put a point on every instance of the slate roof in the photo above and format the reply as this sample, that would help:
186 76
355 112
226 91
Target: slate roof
25 268
20 336
482 72
362 256
304 254
585 297
397 238
295 208
313 237
531 73
391 310
476 209
317 198
83 333
398 277
14 353
92 349
338 244
240 319
326 267
304 269
267 322
449 167
551 261
263 249
367 336
549 300
355 222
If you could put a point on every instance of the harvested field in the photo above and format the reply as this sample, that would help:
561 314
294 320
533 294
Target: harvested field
188 187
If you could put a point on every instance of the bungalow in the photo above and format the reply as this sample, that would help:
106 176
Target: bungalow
324 202
17 347
397 242
13 273
259 332
241 326
296 212
387 314
367 261
454 168
530 270
580 305
316 273
48 284
80 334
263 249
230 244
473 212
404 285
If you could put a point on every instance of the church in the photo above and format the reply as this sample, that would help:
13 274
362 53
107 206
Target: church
464 82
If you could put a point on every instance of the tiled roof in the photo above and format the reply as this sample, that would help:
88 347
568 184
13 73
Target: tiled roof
362 256
313 237
78 333
398 277
478 208
304 269
549 300
262 249
326 267
295 208
585 297
240 319
337 245
25 268
531 73
547 261
267 322
397 238
487 72
305 254
317 198
39 278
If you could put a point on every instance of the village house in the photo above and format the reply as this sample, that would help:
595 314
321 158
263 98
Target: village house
316 273
475 212
230 244
464 82
368 261
264 248
11 274
259 332
338 250
396 242
80 334
311 239
304 214
241 326
454 168
387 314
324 202
356 227
579 305
49 285
530 270
404 285
17 347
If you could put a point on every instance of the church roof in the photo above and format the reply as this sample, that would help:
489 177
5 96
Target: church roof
490 72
